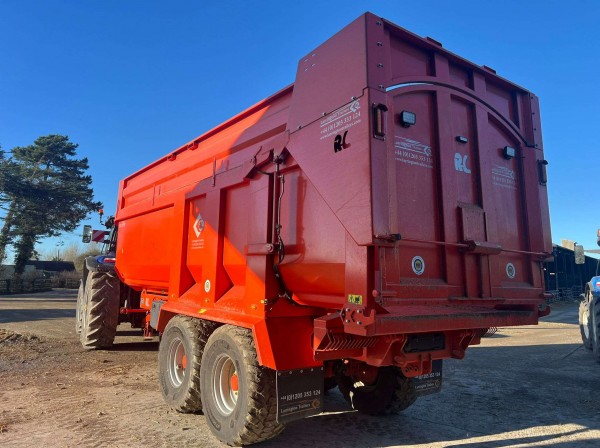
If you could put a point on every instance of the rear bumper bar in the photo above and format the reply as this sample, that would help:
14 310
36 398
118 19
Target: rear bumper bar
379 336
424 319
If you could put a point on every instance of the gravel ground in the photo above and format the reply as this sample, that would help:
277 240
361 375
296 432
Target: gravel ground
524 386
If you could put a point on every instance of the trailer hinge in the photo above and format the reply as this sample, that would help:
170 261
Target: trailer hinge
388 239
483 247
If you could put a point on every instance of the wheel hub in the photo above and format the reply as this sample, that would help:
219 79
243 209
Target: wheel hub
177 362
585 318
225 385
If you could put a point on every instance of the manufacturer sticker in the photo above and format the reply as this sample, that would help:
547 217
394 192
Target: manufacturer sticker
504 177
461 163
207 286
339 121
412 152
339 142
355 299
510 270
418 265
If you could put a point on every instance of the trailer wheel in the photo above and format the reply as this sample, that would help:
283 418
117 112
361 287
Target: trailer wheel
179 356
595 324
78 313
585 321
388 393
330 383
239 396
99 311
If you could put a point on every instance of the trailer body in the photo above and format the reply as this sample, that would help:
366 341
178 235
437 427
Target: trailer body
385 209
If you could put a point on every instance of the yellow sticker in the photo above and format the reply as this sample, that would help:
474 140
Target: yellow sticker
355 299
202 311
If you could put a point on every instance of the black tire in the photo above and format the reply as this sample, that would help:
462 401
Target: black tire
330 384
595 333
100 310
78 313
250 415
585 321
391 392
183 337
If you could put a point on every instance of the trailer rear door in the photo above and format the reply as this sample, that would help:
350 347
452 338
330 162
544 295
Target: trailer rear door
451 181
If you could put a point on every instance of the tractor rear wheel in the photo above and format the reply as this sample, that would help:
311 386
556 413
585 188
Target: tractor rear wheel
100 310
595 326
238 395
179 357
585 321
385 392
78 313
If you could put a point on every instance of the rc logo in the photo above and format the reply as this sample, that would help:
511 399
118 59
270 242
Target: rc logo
198 225
460 163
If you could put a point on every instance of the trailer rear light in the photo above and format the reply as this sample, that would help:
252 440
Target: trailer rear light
509 152
407 118
543 178
379 120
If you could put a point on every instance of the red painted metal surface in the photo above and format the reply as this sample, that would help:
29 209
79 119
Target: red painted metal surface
332 226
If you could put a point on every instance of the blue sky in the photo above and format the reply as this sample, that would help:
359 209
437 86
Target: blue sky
131 80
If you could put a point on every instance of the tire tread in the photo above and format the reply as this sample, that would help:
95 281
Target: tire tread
199 331
261 421
100 311
595 324
395 392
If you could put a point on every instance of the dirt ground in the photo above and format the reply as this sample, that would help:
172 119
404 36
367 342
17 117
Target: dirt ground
526 386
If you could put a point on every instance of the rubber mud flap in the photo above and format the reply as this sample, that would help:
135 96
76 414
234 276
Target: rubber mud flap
299 393
430 383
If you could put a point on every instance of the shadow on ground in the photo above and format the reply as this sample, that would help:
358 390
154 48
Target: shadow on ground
31 314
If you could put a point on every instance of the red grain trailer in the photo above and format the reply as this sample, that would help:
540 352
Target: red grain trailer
355 228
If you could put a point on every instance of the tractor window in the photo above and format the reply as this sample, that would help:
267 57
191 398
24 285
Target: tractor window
110 243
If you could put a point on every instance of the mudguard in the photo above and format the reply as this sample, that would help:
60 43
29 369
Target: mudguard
95 264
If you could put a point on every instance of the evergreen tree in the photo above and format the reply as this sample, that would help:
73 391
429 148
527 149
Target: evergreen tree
45 191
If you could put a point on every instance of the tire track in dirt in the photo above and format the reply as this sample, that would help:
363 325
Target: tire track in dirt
517 388
92 399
